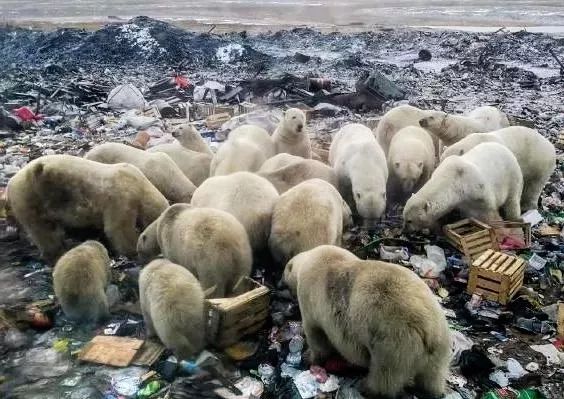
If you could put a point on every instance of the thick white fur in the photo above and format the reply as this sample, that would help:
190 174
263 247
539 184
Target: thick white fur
291 136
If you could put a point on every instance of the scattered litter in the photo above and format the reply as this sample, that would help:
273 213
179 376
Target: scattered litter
553 356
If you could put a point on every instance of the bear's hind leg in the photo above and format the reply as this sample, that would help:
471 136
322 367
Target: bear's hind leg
120 228
512 208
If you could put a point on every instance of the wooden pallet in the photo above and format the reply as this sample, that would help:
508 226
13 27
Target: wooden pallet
471 237
229 319
560 140
496 276
517 232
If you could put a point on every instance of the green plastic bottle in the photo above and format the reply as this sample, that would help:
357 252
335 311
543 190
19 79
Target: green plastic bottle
508 393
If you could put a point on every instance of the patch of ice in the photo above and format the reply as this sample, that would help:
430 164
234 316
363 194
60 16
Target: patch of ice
141 38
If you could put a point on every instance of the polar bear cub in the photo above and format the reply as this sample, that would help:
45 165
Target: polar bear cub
172 304
376 315
362 170
535 154
480 183
290 136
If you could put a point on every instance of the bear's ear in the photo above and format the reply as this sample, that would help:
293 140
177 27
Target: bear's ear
459 171
481 186
427 206
420 164
396 164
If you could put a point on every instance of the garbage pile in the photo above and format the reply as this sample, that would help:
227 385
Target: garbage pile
65 91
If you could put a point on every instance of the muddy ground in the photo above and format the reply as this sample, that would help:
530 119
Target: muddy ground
514 71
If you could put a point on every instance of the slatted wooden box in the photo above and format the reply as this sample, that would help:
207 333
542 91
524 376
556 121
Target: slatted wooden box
471 237
496 276
230 319
517 235
560 141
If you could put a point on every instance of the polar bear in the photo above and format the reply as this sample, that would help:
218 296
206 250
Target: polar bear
376 315
479 183
279 161
535 154
396 119
80 278
195 165
247 196
286 177
211 243
411 158
188 136
452 128
159 168
290 136
172 304
55 193
310 214
362 170
246 149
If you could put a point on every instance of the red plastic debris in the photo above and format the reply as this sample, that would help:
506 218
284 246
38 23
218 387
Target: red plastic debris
182 81
27 115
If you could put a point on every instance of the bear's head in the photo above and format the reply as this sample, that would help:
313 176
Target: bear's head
370 202
294 121
434 120
408 173
417 214
290 276
186 133
147 243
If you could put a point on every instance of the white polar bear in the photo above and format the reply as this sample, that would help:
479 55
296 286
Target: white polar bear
159 168
195 165
248 197
411 158
479 183
246 149
452 128
290 136
396 119
362 170
376 315
212 244
535 154
172 303
189 137
285 171
310 214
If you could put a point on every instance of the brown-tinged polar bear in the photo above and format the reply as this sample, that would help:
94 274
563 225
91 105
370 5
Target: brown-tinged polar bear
246 149
452 128
189 137
310 214
479 183
247 196
535 154
290 136
159 168
172 303
211 243
80 279
295 170
362 170
376 315
411 158
195 165
396 119
58 192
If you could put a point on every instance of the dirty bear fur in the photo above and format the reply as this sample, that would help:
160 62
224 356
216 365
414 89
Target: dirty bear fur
297 171
452 128
376 315
310 214
535 154
290 136
362 170
479 183
246 149
279 161
248 197
172 303
195 165
212 244
396 119
159 168
58 192
189 137
80 279
411 159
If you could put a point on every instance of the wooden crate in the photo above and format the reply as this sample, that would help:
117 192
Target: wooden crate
229 319
496 276
517 232
560 141
471 237
216 120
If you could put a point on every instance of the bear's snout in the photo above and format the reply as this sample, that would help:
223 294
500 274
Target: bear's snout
300 127
423 123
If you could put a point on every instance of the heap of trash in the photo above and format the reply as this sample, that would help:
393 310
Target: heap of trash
66 91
